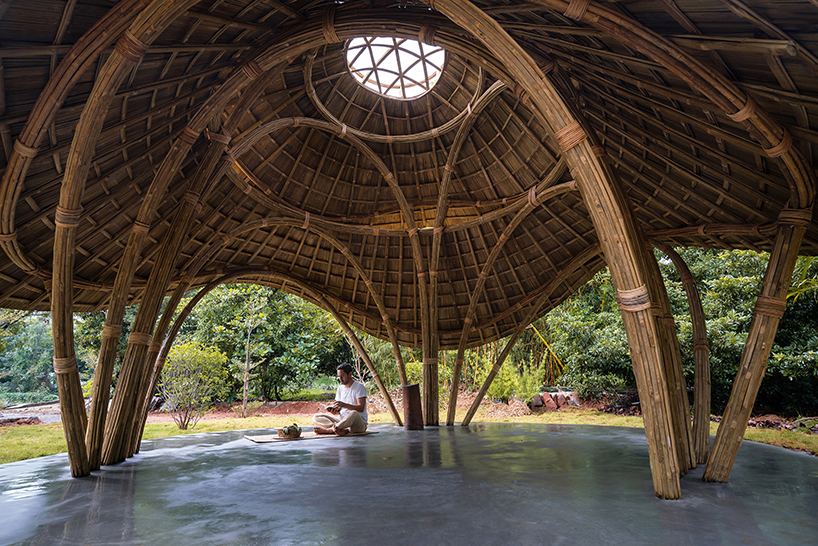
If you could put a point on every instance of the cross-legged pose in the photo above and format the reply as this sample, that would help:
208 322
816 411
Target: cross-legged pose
348 412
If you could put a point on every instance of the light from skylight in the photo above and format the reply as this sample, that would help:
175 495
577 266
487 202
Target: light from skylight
395 67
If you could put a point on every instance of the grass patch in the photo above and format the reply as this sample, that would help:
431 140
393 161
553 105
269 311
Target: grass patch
27 442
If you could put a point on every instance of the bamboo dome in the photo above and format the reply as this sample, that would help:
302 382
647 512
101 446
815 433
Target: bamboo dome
157 147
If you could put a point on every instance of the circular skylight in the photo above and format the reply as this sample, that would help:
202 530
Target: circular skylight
395 67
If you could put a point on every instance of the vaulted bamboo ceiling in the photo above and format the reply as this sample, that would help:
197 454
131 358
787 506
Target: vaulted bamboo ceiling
312 192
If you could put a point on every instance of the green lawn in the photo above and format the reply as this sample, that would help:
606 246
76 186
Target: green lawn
26 442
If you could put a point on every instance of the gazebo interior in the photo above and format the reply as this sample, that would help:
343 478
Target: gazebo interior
156 147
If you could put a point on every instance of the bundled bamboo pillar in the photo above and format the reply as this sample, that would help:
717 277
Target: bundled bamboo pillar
672 357
701 354
72 404
128 51
768 311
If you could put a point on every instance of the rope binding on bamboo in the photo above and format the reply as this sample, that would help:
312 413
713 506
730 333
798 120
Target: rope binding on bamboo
795 217
634 300
67 218
782 147
745 112
251 69
189 136
8 237
23 150
65 365
112 331
769 306
427 34
131 47
140 228
140 338
569 136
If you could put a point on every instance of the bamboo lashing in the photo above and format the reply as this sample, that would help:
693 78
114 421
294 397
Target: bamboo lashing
65 365
140 338
636 299
427 34
795 217
25 151
783 146
130 47
112 331
569 136
770 307
745 112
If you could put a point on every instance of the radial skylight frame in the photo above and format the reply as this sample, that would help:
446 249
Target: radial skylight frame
398 68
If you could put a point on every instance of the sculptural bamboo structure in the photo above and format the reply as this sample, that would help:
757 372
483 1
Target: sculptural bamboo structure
167 148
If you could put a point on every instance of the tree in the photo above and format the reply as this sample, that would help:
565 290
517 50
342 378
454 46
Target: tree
26 368
193 377
290 341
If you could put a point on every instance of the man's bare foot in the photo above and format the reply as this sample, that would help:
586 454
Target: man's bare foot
341 431
322 430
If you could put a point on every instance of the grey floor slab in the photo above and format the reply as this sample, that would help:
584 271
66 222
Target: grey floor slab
485 484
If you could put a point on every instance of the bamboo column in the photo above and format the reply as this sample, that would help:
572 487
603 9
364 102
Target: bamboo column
701 353
128 51
768 311
672 357
614 225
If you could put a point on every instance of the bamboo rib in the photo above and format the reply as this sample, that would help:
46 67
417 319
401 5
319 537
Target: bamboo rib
552 178
701 351
159 278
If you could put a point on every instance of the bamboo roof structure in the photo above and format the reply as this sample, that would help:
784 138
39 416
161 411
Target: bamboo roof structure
693 176
156 147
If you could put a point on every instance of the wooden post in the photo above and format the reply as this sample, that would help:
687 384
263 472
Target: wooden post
768 311
701 353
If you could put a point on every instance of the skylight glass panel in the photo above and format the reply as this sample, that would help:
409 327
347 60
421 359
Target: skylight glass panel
395 67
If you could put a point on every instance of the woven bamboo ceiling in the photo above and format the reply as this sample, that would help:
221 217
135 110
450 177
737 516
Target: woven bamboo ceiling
315 173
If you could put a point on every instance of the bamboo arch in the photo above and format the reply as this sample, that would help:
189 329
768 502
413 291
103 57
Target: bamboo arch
509 61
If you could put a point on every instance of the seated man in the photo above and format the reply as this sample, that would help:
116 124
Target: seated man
348 412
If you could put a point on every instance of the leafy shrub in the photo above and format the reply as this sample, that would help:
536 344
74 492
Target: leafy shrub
192 378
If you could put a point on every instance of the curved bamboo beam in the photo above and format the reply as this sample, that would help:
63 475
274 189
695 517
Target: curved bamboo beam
533 203
165 262
701 354
283 123
129 50
612 219
75 63
167 342
776 143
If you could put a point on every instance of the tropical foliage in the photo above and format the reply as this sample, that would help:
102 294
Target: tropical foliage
193 378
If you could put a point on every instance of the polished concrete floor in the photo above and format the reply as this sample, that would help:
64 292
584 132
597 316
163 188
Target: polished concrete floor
485 484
